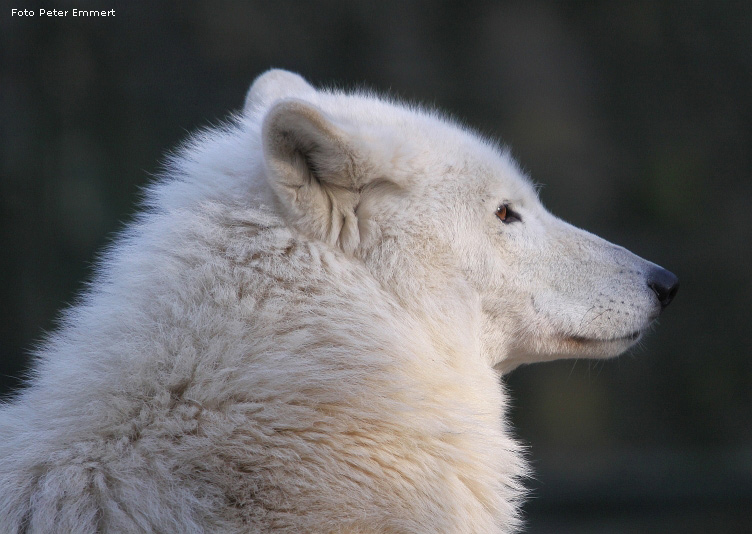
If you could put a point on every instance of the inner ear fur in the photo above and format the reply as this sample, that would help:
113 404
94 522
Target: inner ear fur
314 168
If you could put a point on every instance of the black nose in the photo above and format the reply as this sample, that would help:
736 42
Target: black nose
664 284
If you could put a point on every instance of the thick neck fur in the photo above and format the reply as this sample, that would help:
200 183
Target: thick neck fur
371 395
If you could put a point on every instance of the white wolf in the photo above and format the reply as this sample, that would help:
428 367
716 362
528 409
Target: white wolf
304 332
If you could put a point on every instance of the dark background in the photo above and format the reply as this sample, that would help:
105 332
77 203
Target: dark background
637 117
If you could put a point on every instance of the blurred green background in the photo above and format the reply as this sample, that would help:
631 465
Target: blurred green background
636 116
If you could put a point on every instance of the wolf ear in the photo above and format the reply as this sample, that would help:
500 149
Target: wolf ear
273 85
316 171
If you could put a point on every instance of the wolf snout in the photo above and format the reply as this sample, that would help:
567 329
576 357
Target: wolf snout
664 284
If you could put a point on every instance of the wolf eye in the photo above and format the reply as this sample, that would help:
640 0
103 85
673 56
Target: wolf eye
506 215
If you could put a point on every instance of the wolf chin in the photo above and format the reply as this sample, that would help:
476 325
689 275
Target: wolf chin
304 330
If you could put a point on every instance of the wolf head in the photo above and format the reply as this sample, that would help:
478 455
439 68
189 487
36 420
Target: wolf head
446 219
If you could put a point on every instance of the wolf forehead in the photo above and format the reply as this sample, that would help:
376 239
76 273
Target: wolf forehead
408 140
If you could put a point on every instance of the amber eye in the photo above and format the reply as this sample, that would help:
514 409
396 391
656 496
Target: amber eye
501 213
506 215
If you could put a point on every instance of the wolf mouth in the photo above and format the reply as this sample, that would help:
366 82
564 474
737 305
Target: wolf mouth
629 337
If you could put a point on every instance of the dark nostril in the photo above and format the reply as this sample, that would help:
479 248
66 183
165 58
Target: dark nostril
664 284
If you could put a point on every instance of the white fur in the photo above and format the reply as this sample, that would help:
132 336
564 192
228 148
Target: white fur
304 332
